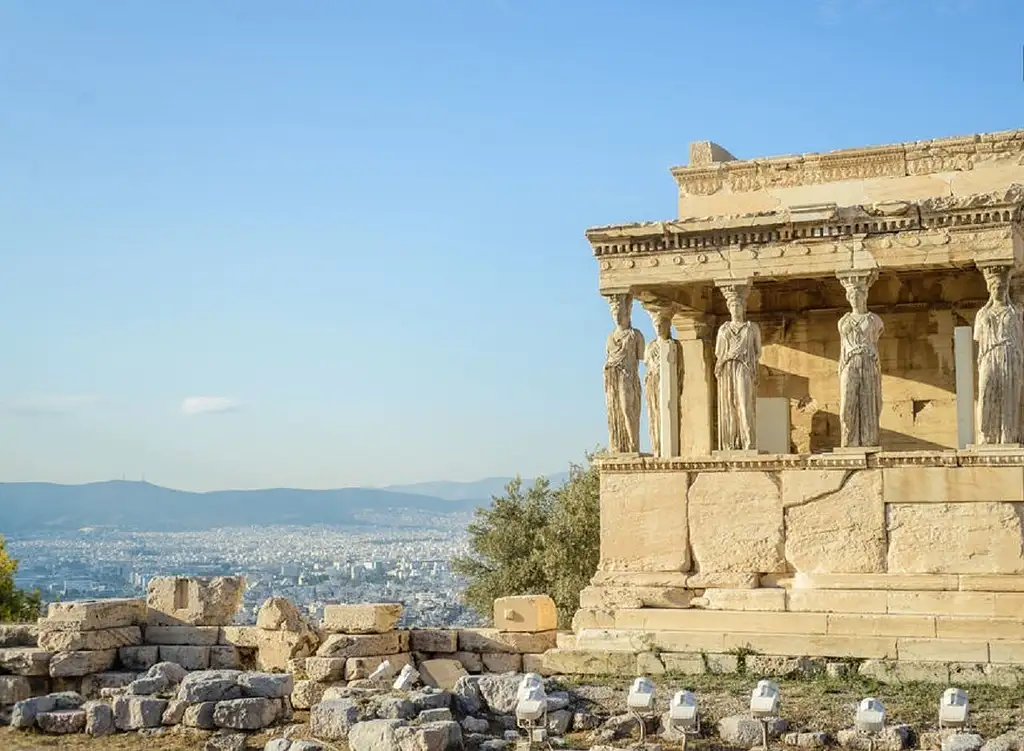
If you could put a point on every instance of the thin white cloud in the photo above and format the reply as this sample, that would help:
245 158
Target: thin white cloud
208 405
52 404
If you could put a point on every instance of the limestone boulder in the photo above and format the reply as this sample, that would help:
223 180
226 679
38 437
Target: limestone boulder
25 661
280 614
196 601
372 735
360 645
77 664
137 712
75 639
210 685
499 692
307 693
736 522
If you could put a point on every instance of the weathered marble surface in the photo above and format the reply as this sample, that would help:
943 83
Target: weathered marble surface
999 333
662 319
860 374
624 352
737 351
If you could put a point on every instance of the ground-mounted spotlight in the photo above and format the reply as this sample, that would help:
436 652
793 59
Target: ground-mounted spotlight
640 699
953 709
683 717
765 705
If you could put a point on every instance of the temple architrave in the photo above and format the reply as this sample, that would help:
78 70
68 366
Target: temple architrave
835 405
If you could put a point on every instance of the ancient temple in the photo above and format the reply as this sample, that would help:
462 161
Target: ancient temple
837 423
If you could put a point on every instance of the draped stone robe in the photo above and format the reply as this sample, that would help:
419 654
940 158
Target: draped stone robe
860 379
652 386
625 351
737 351
999 333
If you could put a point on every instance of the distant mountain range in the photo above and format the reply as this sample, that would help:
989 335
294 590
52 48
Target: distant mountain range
27 506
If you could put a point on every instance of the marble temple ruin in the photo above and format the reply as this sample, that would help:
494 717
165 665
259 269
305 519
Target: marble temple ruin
837 467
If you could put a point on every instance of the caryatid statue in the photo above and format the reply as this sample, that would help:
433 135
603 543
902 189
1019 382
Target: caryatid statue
661 317
624 352
999 333
737 352
860 375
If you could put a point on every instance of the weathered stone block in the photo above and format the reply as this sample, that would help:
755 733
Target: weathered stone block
93 685
491 640
225 658
186 636
274 648
956 538
137 712
837 601
736 522
307 693
433 640
18 634
280 614
61 721
580 662
74 640
332 719
952 484
75 664
360 645
326 669
245 714
767 599
626 596
361 667
644 521
502 662
836 523
190 658
471 661
195 601
443 674
366 618
529 614
200 716
138 658
88 615
14 688
99 718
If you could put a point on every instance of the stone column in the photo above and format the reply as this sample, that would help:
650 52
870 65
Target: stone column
695 331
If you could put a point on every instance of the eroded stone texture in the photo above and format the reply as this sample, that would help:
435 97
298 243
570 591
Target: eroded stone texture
644 522
88 615
193 600
956 538
529 613
836 532
736 522
364 618
624 350
999 334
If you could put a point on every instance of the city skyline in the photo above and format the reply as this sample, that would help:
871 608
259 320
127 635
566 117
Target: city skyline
251 246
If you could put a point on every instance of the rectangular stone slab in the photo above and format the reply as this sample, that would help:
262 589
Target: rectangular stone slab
88 615
72 640
366 618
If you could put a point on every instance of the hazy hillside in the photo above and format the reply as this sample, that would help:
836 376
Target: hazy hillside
142 506
480 490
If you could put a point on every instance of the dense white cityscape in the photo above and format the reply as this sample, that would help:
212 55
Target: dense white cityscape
310 565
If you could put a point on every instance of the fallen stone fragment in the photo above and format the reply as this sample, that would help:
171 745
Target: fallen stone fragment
892 738
500 692
210 685
93 685
61 721
443 674
436 715
174 712
200 716
279 614
266 685
99 718
373 735
396 708
332 719
136 712
307 693
245 714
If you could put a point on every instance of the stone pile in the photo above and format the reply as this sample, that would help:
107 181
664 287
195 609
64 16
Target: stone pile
166 695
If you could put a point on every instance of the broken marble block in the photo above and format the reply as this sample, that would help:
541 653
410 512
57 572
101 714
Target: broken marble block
530 613
194 600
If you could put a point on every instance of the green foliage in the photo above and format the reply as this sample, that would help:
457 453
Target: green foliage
535 541
16 605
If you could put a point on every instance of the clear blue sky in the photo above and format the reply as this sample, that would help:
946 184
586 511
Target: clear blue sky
361 223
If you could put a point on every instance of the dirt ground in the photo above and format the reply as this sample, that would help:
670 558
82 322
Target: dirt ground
812 705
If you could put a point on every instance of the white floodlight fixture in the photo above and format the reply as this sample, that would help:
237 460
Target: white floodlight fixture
532 711
406 679
641 695
953 708
382 672
870 717
765 700
682 712
531 683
